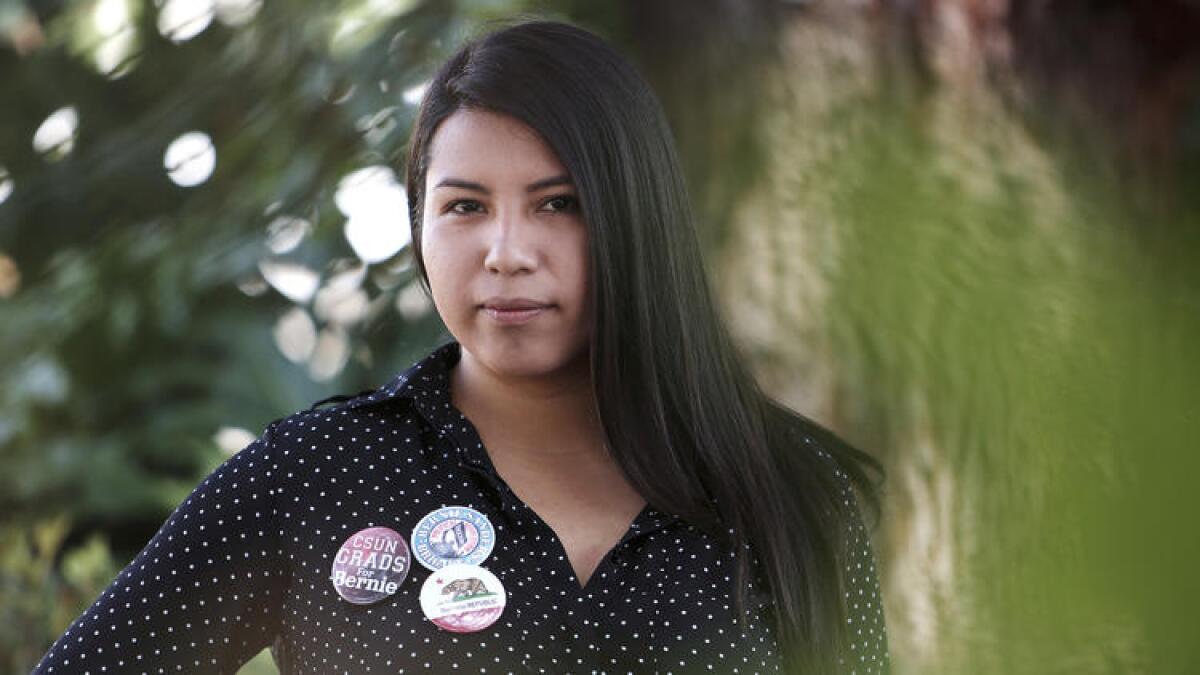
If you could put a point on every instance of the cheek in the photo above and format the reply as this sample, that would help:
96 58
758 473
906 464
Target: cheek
580 265
446 276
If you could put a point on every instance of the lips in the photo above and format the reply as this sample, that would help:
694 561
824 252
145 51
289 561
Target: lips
513 311
513 304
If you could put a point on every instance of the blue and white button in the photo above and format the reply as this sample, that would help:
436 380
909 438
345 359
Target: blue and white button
453 535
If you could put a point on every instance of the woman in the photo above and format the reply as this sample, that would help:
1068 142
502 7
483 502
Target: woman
591 478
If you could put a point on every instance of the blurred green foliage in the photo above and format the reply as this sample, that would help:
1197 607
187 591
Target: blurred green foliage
1036 345
35 604
129 342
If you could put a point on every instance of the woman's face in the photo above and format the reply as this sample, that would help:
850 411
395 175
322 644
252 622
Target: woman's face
505 246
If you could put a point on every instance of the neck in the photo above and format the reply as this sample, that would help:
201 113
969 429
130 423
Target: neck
551 415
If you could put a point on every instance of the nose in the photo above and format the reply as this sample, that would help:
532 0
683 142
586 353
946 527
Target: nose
511 248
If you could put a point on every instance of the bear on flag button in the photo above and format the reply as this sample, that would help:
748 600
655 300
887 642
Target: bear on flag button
463 598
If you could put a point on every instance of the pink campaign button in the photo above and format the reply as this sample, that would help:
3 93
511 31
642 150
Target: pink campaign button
370 565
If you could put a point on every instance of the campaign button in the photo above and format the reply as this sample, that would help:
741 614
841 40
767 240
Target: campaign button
463 598
370 565
453 535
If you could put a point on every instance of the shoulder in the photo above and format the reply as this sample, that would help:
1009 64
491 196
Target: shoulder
393 414
344 412
847 473
342 424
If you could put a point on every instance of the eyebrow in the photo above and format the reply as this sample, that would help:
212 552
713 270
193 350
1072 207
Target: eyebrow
476 187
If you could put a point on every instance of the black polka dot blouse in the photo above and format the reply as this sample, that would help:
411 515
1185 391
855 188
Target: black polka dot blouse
244 563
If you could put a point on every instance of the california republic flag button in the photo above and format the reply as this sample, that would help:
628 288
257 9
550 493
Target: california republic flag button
463 598
370 565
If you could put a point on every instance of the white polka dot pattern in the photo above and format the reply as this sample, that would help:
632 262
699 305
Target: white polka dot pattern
244 561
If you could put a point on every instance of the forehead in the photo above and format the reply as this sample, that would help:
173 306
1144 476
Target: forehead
474 144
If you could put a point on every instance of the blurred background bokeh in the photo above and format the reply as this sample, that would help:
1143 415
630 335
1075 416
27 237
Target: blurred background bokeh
965 234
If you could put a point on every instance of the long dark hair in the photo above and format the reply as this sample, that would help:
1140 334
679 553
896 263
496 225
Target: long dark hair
684 418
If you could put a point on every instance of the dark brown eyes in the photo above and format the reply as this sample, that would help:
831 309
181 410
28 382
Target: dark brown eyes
563 203
556 204
462 206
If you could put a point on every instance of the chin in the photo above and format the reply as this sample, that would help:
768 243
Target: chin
524 355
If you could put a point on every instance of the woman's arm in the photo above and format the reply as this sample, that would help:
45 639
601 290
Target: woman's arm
868 649
204 595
